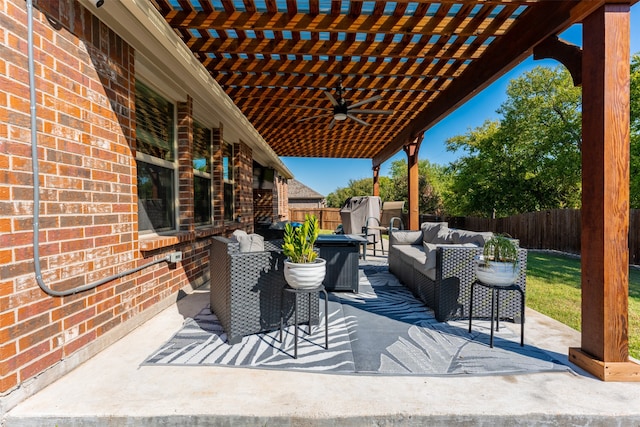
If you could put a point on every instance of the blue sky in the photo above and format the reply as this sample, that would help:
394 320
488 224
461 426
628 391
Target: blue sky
326 175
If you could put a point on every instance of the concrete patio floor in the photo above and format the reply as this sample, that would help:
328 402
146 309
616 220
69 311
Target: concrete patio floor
112 389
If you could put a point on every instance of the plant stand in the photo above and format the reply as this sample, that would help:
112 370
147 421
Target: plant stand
495 306
308 291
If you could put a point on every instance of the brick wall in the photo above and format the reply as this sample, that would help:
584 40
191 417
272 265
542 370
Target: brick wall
86 122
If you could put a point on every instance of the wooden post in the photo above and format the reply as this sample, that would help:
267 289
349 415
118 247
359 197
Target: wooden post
412 149
376 180
605 197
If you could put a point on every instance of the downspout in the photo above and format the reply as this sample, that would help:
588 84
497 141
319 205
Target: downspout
36 185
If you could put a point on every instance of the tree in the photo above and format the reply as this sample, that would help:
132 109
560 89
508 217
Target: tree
529 160
430 186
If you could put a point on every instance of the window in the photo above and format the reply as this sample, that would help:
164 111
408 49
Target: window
227 177
155 138
201 174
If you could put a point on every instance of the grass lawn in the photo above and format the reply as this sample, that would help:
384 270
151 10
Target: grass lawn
553 288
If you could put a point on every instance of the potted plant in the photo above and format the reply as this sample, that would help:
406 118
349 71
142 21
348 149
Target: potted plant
303 268
498 264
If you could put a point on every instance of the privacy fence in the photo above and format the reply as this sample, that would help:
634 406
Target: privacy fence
556 229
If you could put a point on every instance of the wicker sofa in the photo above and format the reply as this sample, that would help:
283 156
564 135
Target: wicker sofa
437 264
246 289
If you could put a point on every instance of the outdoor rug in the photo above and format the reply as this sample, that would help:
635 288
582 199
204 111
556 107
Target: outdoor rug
383 329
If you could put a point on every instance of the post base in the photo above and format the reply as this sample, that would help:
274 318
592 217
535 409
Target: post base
606 371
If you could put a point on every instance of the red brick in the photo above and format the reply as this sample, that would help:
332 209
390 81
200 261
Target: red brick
9 382
78 343
44 335
37 307
40 364
8 350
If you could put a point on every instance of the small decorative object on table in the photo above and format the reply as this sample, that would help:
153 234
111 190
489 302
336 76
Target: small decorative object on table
498 264
303 268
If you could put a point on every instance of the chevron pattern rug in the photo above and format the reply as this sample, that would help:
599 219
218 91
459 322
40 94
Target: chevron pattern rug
381 330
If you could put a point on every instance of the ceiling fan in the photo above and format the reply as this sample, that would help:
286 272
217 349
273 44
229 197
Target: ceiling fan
341 110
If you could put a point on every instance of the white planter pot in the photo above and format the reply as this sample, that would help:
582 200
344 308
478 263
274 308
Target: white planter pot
308 275
497 273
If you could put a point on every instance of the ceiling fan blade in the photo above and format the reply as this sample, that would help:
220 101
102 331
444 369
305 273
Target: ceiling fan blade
313 117
331 98
364 101
354 118
387 112
333 122
310 108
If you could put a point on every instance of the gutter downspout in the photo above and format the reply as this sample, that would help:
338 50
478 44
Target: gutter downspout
36 185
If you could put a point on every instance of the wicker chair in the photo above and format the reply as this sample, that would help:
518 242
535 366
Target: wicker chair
246 289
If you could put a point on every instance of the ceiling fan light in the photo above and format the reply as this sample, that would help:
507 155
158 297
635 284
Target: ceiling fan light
340 116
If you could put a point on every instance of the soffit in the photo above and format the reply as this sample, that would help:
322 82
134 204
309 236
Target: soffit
275 58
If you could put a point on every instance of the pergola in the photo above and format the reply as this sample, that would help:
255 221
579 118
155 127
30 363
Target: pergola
282 63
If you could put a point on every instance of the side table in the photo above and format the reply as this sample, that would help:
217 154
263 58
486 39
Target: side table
341 251
308 292
495 306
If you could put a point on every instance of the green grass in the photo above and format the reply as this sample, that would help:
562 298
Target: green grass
553 288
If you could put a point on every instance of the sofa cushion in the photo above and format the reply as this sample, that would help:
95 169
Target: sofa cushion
411 253
430 230
430 252
422 268
475 237
405 237
444 236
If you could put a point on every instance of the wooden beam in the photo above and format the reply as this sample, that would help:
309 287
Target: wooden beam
412 149
605 196
376 181
566 53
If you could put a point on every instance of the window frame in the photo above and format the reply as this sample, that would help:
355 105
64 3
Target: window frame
156 161
230 180
205 175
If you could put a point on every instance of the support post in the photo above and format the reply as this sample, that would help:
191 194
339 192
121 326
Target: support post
376 180
605 197
412 149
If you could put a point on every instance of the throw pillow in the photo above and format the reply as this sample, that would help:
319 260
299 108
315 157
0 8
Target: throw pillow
237 234
251 243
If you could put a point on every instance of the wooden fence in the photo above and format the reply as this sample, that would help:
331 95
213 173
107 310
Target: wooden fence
329 218
556 229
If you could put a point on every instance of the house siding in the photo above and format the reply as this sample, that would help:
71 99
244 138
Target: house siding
85 78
